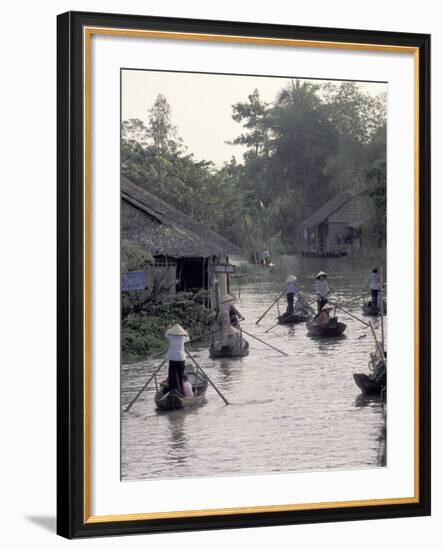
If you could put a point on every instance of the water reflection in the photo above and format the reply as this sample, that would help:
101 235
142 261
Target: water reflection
301 412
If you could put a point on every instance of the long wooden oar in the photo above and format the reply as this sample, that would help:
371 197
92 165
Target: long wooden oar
155 372
269 308
379 348
308 305
271 328
348 313
262 342
208 379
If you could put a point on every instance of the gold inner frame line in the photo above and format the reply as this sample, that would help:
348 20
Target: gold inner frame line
87 34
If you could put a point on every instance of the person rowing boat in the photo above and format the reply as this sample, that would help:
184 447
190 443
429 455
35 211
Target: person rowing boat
291 291
229 341
322 289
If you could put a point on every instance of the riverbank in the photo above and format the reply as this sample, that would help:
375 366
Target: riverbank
145 322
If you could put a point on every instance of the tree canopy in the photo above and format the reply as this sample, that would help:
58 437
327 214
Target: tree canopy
310 143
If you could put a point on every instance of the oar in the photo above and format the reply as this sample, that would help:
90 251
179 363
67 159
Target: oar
201 337
308 305
271 328
380 350
269 308
127 409
262 342
208 379
348 313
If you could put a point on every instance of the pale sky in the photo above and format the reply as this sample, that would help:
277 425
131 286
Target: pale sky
202 105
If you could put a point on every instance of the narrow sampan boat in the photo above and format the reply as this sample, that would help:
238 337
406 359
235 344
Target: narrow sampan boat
173 400
374 383
327 330
229 351
368 384
293 318
369 309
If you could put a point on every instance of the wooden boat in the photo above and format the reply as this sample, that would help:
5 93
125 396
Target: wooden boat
230 351
293 318
368 309
368 384
326 330
173 400
374 383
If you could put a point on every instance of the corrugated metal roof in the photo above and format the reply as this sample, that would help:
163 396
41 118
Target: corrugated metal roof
327 210
164 230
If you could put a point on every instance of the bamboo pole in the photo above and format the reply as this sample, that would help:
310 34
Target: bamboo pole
269 308
382 310
127 409
380 350
262 342
271 328
378 346
208 379
348 313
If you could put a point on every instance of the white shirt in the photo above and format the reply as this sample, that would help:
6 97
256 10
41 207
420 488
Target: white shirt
374 282
291 287
322 288
176 347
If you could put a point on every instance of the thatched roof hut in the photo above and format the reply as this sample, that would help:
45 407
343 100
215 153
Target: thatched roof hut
163 230
327 210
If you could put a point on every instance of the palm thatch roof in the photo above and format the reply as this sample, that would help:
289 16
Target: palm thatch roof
134 257
163 230
327 210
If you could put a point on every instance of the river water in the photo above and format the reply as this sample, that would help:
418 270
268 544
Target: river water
297 413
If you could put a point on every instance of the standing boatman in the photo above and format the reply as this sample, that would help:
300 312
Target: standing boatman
322 289
374 284
176 354
291 290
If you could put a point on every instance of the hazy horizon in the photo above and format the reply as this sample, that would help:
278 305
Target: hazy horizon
211 96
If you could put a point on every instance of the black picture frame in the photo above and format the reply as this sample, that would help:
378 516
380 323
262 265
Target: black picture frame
72 520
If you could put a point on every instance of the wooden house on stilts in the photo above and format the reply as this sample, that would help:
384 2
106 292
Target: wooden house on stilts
333 230
188 256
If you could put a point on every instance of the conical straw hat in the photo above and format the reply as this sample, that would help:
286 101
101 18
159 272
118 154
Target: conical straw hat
327 307
227 298
321 273
290 279
176 330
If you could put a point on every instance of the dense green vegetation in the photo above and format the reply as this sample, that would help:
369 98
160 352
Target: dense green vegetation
310 143
145 319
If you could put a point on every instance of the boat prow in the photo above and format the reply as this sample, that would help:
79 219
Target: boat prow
330 329
173 400
369 310
293 318
367 384
229 352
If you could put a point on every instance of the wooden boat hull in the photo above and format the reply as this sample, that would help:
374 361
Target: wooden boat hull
293 318
367 309
229 352
332 329
172 401
367 384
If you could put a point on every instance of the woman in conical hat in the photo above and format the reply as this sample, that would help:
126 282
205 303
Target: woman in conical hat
176 354
227 304
322 289
291 290
324 315
228 315
226 299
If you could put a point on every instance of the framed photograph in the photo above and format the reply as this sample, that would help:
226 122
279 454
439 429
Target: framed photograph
243 237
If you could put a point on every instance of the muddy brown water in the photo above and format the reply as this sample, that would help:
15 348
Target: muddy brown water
297 413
